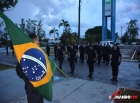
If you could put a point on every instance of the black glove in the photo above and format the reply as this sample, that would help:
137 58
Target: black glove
111 63
119 63
94 60
87 62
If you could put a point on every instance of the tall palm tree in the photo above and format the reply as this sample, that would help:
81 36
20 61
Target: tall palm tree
54 31
72 37
90 38
65 25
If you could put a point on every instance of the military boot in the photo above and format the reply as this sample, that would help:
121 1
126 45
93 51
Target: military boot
90 75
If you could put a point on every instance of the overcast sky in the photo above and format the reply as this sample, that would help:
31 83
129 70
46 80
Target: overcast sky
51 12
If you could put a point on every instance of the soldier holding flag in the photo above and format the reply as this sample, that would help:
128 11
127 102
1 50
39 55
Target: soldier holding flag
32 95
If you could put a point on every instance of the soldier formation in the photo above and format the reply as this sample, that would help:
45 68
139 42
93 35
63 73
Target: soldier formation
96 53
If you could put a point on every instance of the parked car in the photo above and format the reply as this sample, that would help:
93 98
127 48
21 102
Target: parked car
134 43
118 43
125 43
138 43
107 42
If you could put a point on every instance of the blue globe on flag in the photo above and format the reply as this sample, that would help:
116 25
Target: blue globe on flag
33 64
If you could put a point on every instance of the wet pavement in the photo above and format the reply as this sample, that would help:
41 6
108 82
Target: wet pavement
74 90
12 87
129 75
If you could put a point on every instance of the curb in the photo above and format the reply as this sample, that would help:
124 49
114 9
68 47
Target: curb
13 65
129 60
8 64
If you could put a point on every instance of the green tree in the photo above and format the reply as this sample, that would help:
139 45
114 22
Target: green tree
116 35
3 34
72 38
45 40
22 25
1 26
132 30
54 31
65 25
90 38
82 40
125 38
96 33
98 38
29 26
7 4
40 32
69 38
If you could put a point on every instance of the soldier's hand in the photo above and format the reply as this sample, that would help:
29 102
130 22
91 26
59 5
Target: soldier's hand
94 60
119 62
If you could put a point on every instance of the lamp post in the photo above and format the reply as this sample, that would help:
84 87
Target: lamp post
122 27
121 31
79 7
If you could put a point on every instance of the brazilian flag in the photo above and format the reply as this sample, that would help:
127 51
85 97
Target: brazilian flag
37 66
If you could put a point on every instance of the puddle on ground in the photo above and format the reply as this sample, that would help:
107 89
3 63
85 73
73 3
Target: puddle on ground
57 78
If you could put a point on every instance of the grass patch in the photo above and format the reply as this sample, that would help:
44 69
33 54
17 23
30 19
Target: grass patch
3 67
52 51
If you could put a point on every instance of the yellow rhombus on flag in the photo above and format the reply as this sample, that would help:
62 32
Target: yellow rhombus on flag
37 66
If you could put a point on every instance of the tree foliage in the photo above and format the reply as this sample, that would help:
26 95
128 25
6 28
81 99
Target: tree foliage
132 29
131 32
125 38
40 32
1 26
65 24
32 26
54 31
93 35
3 34
7 4
69 38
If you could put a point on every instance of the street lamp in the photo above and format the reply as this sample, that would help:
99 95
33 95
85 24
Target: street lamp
79 21
122 28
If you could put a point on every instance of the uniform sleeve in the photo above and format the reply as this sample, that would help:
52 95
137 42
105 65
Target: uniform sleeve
111 51
94 52
19 72
120 54
75 52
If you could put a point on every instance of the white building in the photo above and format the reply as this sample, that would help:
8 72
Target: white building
53 40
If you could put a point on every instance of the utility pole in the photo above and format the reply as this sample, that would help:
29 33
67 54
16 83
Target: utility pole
121 31
79 7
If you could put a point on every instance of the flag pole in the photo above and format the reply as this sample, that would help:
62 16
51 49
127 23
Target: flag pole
61 70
